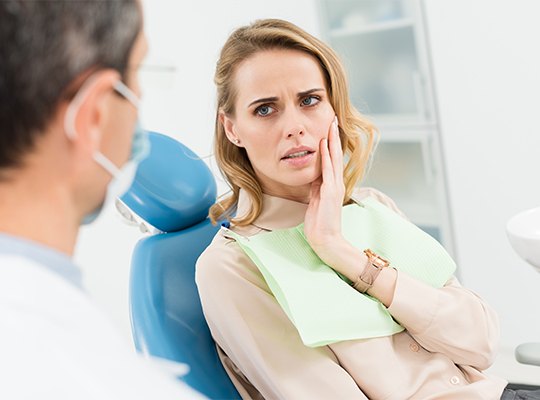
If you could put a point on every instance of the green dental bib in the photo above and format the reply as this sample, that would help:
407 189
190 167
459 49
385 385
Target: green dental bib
323 307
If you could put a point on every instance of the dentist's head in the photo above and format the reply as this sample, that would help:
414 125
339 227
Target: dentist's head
69 97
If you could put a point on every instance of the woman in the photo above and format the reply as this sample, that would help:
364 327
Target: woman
281 95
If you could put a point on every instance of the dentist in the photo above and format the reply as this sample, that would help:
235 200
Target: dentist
69 140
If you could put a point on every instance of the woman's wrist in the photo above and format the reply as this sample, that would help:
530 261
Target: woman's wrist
384 286
351 262
342 257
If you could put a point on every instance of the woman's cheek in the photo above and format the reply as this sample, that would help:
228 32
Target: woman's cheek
326 119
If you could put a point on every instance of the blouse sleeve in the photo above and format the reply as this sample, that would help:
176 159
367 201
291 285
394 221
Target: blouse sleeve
450 320
249 325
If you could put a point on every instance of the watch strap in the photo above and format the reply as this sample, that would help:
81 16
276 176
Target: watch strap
373 268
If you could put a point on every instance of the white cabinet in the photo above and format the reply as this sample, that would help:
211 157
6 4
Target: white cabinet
384 48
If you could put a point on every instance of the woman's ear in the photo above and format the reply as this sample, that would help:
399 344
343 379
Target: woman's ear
229 127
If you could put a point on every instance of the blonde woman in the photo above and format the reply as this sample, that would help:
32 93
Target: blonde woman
293 149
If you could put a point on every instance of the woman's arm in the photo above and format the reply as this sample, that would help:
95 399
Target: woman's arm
322 224
450 320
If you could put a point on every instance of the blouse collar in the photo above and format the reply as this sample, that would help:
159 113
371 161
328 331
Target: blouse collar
276 213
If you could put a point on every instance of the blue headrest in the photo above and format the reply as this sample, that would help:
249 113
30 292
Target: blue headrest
173 188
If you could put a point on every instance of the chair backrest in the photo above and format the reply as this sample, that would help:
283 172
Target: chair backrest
172 192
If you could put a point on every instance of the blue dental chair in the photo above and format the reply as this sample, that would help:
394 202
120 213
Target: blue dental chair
170 197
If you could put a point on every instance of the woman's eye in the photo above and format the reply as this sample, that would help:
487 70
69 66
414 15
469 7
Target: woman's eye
310 101
264 111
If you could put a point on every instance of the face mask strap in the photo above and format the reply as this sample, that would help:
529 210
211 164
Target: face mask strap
106 163
73 108
127 93
75 104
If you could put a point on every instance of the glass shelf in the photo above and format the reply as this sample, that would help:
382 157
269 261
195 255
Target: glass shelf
405 134
350 13
383 72
402 171
371 28
383 47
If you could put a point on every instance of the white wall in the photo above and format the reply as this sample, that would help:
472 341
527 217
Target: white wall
487 72
189 35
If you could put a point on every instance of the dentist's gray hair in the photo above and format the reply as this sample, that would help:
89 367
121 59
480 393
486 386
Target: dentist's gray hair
44 47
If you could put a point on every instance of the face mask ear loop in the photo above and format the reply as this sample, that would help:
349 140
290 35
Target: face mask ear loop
71 115
75 104
69 120
107 164
128 94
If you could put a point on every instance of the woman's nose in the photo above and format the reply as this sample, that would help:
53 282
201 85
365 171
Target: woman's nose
294 127
293 123
296 131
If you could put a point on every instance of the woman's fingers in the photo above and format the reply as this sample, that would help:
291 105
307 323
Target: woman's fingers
326 163
315 192
336 152
331 161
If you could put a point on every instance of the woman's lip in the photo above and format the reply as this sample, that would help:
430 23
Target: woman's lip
298 150
290 153
299 161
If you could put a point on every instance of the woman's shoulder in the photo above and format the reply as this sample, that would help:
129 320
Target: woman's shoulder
361 193
224 260
224 246
221 249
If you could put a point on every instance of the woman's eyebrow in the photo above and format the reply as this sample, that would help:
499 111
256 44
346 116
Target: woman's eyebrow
264 100
308 92
275 98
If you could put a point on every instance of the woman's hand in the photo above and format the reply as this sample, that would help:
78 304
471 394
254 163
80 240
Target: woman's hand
322 224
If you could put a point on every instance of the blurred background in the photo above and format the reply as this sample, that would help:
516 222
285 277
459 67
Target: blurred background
454 89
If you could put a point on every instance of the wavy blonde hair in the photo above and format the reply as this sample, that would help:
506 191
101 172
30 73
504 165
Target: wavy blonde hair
356 132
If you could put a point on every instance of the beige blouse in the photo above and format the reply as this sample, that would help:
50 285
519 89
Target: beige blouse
451 335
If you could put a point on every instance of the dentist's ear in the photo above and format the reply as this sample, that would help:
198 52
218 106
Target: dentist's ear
228 126
87 113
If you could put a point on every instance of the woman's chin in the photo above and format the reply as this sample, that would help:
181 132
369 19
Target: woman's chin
303 181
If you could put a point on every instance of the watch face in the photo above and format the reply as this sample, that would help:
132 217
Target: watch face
380 263
375 259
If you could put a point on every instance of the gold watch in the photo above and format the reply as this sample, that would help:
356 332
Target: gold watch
371 271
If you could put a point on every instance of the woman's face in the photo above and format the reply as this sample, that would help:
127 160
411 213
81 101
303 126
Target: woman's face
282 112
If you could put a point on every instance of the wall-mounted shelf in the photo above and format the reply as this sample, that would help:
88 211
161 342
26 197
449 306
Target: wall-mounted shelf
383 46
371 28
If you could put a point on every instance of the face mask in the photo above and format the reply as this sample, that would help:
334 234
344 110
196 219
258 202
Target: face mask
122 177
